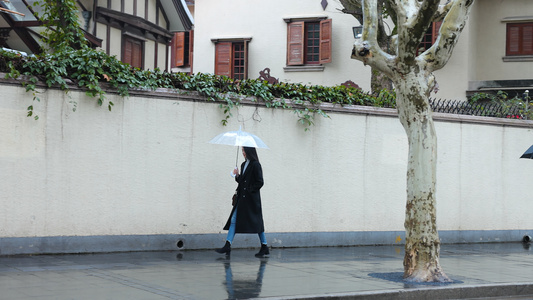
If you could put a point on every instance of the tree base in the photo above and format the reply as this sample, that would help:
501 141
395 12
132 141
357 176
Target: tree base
427 276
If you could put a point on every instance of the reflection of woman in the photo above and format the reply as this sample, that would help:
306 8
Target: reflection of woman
244 288
247 215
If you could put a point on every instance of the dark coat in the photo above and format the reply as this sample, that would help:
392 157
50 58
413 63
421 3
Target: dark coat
249 211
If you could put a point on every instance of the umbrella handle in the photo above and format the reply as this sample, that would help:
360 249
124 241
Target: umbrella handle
237 157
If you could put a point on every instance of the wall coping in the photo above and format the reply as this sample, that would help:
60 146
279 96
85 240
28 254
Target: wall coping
185 95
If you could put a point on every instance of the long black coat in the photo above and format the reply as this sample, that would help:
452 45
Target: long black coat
249 211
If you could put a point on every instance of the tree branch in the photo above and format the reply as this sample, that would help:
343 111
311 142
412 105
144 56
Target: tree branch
367 49
454 22
414 19
353 7
391 7
442 11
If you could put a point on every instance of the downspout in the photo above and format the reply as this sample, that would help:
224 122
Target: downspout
94 18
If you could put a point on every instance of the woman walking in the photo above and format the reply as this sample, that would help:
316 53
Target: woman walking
247 215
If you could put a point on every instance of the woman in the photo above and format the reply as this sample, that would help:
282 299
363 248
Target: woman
247 215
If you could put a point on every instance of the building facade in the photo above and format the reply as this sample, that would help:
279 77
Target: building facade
242 38
137 32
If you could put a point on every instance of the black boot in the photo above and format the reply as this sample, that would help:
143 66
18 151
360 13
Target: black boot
264 252
226 249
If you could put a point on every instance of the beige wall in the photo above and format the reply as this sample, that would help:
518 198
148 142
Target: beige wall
116 5
151 11
101 30
162 62
128 7
149 54
490 36
147 168
116 43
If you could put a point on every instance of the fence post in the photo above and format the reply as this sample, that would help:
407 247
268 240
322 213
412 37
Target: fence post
526 100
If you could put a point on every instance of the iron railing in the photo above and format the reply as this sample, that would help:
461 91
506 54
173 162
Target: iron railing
485 109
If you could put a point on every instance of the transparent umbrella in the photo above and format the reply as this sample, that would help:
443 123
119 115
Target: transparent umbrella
238 138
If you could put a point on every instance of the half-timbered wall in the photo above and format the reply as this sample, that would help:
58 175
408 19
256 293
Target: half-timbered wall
114 31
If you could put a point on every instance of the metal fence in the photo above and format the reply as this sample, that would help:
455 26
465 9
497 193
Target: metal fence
486 109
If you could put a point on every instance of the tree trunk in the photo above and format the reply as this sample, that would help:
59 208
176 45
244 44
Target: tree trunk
379 81
421 261
412 74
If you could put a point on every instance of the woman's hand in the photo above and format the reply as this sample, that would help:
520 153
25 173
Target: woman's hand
236 171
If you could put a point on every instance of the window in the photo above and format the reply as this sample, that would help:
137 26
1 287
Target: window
429 38
519 39
238 61
308 42
312 43
132 51
181 49
231 58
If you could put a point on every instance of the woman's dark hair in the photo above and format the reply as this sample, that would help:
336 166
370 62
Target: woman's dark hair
251 153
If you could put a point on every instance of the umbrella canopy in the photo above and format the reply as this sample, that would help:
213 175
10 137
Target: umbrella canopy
238 138
528 153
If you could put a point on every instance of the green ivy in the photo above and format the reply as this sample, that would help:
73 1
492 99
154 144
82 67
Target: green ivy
63 31
517 107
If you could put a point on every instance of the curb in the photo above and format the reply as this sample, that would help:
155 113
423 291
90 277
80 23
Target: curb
434 293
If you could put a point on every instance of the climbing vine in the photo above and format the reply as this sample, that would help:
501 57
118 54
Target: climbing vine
510 107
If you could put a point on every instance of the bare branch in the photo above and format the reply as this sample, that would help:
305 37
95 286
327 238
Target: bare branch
391 7
414 19
354 8
367 49
443 10
455 20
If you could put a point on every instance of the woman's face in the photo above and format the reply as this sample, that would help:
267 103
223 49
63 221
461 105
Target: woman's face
243 153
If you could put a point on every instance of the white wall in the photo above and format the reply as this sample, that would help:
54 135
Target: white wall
146 168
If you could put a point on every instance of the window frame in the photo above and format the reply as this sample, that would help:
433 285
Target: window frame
225 50
524 35
429 37
297 40
181 49
521 55
135 40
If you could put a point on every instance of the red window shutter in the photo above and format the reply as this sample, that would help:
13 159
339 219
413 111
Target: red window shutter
127 55
223 59
178 49
133 54
513 39
295 43
325 41
191 48
527 39
137 55
435 31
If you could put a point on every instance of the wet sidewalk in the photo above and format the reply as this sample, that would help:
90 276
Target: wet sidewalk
478 270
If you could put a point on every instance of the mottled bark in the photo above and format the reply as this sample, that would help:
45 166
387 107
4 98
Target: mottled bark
422 244
413 79
378 80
